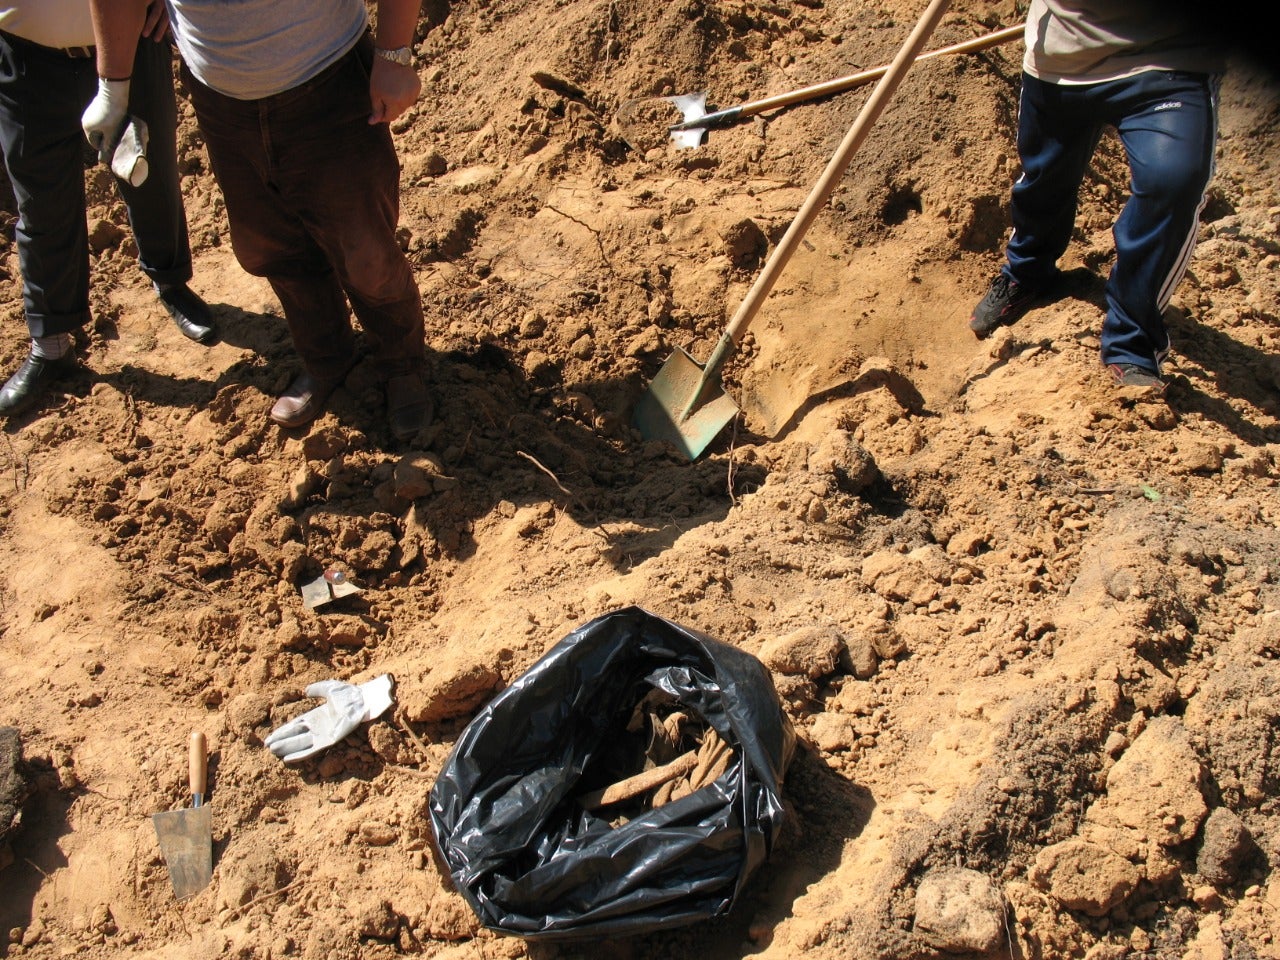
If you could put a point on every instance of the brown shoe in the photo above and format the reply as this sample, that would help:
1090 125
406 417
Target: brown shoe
302 401
409 406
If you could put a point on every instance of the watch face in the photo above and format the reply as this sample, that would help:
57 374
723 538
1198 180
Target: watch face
402 55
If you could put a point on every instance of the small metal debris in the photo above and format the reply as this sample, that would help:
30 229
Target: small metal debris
330 585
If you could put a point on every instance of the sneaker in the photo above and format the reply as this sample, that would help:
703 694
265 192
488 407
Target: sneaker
1132 375
1004 304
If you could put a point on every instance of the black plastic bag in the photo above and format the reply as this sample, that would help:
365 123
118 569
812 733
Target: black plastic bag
526 855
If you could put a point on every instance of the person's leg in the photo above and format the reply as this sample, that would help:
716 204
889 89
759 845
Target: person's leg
320 138
1057 133
156 211
268 237
42 142
1169 130
1058 130
155 208
44 153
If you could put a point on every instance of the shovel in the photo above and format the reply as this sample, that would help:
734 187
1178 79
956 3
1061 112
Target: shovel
689 133
686 403
186 836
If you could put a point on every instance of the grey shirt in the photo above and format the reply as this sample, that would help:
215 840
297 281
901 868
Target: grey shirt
1092 41
249 49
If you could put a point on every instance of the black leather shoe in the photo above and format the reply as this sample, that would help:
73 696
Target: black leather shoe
189 312
24 388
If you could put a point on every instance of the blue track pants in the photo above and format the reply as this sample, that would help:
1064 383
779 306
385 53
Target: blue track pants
1167 123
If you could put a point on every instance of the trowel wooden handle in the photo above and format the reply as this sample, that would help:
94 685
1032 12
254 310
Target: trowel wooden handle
198 765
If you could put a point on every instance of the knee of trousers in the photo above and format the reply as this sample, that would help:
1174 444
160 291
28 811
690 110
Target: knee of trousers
381 279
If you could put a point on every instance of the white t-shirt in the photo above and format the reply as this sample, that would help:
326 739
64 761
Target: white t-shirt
1093 41
249 49
54 23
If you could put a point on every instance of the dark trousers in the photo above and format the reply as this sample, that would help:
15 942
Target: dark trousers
43 92
1168 125
313 198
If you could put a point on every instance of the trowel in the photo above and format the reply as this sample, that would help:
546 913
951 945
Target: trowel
186 836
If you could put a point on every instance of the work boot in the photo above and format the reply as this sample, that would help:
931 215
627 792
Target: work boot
302 401
29 381
409 406
191 314
1005 303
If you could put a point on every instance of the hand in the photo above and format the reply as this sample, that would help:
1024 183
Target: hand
393 89
104 119
345 708
156 25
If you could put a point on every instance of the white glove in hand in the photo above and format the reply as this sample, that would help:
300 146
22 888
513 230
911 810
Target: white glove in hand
103 120
345 708
129 161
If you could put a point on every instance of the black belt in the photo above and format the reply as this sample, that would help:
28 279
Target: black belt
75 53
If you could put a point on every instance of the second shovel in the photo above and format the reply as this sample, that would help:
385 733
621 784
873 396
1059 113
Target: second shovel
686 404
186 836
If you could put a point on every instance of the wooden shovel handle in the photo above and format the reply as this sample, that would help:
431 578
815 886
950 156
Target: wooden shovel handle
836 167
198 766
839 84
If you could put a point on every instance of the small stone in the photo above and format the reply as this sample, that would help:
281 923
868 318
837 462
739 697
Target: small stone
1206 898
33 934
1226 846
832 733
960 911
1084 876
103 234
533 325
379 923
377 834
810 651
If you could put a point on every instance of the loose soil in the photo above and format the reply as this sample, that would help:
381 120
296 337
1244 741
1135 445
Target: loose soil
1025 625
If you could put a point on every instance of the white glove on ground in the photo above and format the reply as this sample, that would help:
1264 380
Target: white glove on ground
345 708
103 120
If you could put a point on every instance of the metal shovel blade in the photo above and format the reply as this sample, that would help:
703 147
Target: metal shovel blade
186 841
692 107
659 413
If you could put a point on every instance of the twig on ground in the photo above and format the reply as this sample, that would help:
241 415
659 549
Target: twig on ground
412 771
733 462
404 725
554 479
240 911
190 583
37 867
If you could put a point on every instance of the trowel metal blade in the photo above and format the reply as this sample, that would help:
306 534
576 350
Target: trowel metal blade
186 841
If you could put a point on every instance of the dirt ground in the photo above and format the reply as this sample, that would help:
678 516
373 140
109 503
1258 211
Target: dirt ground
1025 625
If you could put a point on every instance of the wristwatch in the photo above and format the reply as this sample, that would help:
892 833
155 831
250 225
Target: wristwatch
400 55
